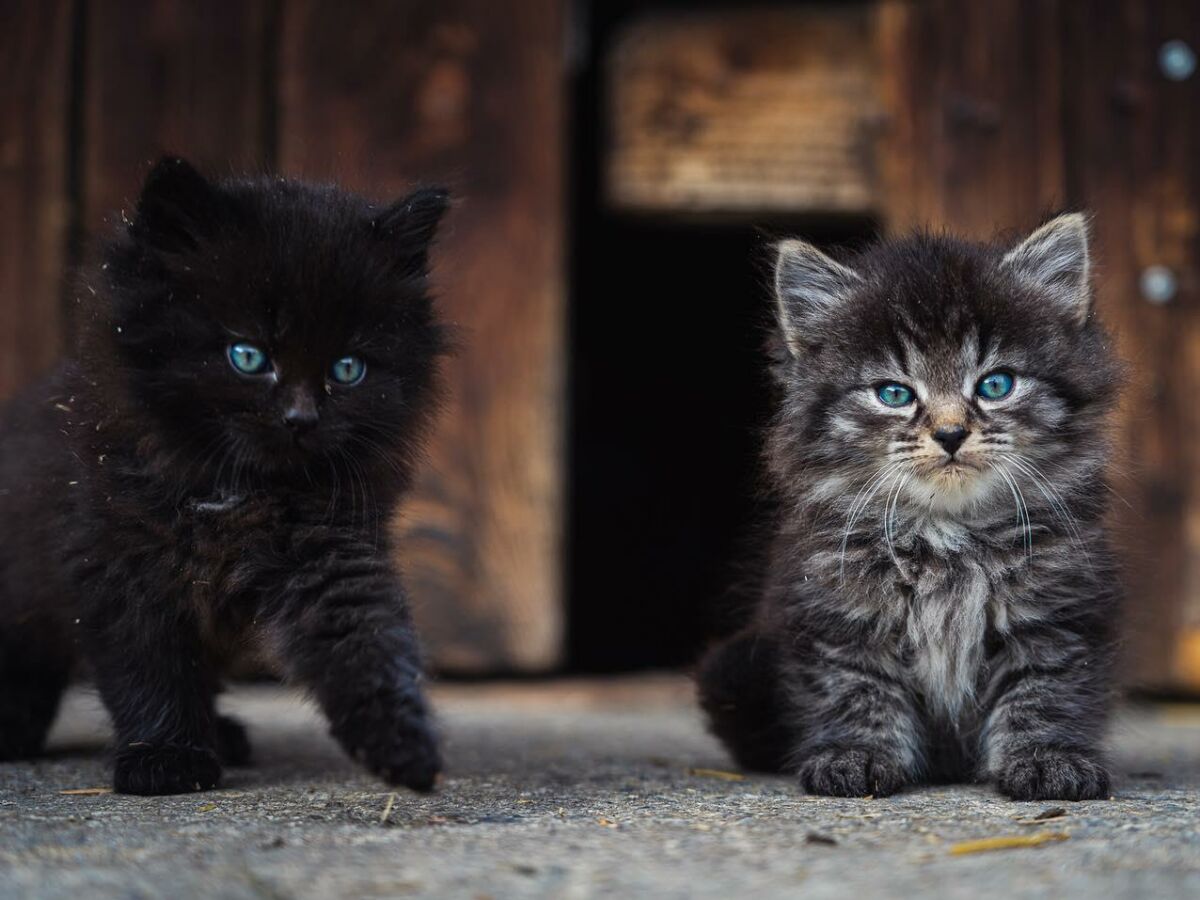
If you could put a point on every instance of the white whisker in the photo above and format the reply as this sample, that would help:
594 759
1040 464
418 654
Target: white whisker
857 508
1057 504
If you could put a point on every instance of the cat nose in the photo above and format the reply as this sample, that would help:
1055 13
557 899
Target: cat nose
300 420
951 438
301 414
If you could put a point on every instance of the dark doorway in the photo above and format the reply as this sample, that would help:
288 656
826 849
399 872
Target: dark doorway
668 398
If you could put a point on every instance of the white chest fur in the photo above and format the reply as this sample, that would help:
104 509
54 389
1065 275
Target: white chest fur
945 625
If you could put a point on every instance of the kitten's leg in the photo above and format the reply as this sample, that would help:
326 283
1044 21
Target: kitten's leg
1048 709
34 665
152 677
861 733
344 632
233 743
738 685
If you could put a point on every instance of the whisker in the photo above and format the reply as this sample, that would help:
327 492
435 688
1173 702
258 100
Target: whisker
1057 504
1023 519
853 514
893 503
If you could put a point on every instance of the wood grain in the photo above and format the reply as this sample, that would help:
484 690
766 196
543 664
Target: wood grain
471 93
1133 144
169 76
35 44
973 100
1001 113
744 110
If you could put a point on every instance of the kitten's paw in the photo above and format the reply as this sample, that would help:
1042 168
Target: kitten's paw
143 768
1054 775
233 744
403 752
851 773
412 760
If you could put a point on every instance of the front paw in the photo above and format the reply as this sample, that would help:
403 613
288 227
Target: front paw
1054 775
851 773
402 752
414 761
144 768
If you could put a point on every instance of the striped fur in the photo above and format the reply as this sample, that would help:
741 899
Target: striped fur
925 618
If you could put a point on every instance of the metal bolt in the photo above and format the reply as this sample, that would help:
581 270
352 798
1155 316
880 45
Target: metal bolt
1177 60
1158 284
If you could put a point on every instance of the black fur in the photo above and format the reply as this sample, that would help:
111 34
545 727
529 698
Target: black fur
157 516
933 614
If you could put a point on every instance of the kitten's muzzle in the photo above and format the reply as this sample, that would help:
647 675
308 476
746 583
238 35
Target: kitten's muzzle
951 438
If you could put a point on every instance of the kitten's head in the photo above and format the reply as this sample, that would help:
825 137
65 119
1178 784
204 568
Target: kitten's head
271 326
943 370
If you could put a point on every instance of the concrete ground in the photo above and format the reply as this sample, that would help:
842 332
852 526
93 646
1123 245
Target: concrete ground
572 789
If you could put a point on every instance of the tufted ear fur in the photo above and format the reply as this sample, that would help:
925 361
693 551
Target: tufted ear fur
808 285
1055 260
410 224
177 206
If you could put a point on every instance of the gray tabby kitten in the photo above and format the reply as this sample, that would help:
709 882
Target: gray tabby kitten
941 597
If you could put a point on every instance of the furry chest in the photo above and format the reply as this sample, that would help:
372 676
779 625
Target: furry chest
944 627
222 543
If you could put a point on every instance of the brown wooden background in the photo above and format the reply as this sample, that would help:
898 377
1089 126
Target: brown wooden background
1007 110
377 95
978 116
982 117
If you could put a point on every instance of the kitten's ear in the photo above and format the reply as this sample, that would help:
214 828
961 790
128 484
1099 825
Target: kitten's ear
808 284
1055 259
177 205
409 225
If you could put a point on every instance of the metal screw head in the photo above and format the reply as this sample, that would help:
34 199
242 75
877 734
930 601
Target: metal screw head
1158 284
1176 60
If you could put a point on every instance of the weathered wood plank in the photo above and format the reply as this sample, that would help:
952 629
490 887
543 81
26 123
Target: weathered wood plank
1133 152
35 48
169 76
468 92
744 110
1000 113
973 96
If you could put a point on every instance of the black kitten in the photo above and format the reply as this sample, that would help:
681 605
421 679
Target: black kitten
214 470
941 596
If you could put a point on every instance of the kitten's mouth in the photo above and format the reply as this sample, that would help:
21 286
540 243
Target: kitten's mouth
295 445
953 463
952 475
950 467
950 485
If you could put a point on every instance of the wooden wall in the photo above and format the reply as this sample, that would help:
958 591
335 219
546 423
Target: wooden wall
35 77
1000 113
983 118
379 96
986 116
468 92
750 110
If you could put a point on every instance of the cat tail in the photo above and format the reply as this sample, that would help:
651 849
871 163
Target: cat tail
738 683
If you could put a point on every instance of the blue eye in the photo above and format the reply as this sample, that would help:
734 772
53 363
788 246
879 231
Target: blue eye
248 359
348 371
995 386
894 394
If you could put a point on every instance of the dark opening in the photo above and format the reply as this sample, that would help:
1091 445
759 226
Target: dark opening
668 398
